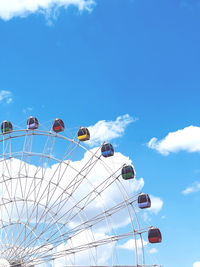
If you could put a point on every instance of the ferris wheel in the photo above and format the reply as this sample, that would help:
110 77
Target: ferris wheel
62 204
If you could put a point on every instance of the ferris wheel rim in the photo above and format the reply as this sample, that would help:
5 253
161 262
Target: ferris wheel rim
48 133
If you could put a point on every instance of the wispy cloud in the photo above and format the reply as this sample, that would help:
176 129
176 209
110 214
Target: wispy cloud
189 4
6 97
195 187
108 130
153 251
187 139
156 207
13 8
27 110
196 264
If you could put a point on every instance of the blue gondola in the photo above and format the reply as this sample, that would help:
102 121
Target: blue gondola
128 172
144 201
6 127
32 123
107 150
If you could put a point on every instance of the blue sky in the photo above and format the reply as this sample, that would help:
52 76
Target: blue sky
110 58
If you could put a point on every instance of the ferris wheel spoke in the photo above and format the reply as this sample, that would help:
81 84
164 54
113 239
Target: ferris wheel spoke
75 182
60 175
29 238
23 165
101 188
6 171
124 195
16 228
67 156
85 199
52 195
40 183
45 156
31 216
97 243
25 162
5 237
97 219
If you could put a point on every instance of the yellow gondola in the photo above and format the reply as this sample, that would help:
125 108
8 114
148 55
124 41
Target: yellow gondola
83 134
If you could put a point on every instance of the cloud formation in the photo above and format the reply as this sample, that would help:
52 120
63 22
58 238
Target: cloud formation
130 244
190 4
22 8
153 251
108 130
156 204
6 97
187 139
196 264
27 110
195 187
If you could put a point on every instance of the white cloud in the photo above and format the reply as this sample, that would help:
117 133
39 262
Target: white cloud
195 187
130 244
108 130
4 263
156 204
103 253
153 251
196 264
187 139
6 96
27 110
21 8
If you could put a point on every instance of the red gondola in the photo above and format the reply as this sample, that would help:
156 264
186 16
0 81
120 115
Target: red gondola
58 125
154 235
